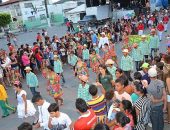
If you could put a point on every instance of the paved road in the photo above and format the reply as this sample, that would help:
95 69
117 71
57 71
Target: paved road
70 88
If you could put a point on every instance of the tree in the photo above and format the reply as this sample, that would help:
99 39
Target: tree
5 19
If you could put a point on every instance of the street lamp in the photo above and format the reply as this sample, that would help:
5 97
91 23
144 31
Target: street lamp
46 9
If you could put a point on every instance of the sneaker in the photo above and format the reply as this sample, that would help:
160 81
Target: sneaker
5 116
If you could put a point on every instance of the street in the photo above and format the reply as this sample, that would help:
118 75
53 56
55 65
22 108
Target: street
70 88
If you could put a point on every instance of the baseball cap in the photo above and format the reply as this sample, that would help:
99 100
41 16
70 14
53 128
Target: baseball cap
145 65
152 72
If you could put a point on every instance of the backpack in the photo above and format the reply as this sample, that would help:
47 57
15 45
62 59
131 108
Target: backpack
146 106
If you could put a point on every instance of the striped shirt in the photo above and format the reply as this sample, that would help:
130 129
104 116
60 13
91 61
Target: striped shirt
140 104
98 105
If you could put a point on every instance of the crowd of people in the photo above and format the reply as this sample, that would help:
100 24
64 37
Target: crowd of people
130 92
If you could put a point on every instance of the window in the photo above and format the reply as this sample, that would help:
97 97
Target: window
28 5
32 18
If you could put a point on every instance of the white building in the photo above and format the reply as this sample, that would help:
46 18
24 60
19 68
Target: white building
32 13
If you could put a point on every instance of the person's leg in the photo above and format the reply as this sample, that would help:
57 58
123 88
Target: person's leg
63 78
33 91
4 110
157 118
168 111
152 49
10 107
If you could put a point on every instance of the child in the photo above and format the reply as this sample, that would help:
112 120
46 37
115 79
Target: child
111 68
114 108
57 119
120 94
126 107
72 59
95 47
83 89
58 68
122 122
86 55
25 107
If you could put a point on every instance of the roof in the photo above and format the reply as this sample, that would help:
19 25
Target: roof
62 1
11 2
81 8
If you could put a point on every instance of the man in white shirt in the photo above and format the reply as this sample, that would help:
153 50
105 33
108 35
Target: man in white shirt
57 119
43 112
103 40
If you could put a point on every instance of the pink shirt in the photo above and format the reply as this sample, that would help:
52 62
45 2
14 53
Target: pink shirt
25 60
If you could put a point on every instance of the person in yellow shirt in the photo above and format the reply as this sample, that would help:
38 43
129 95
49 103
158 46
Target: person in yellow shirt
4 102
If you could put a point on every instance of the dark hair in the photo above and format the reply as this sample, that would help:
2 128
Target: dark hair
93 90
120 80
101 126
81 105
109 95
127 105
18 86
157 59
50 68
25 126
36 98
139 87
119 70
160 65
54 107
137 76
122 119
124 79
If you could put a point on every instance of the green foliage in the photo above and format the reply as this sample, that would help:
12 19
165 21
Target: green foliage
5 19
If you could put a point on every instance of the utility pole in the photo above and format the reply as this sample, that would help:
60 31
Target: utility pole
47 14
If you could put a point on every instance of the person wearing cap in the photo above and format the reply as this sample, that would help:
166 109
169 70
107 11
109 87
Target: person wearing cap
111 68
137 55
58 67
165 21
5 106
156 90
83 89
160 28
103 40
144 46
31 80
153 44
140 28
144 72
86 55
126 64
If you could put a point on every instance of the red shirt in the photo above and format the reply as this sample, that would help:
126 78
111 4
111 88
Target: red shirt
160 27
165 19
86 122
153 19
35 47
140 27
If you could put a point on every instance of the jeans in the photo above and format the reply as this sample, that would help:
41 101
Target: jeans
146 58
137 64
157 118
127 73
155 50
33 91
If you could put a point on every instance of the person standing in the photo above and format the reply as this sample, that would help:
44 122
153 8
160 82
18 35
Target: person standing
140 28
43 112
156 90
154 43
144 45
137 55
160 28
5 106
126 64
103 40
58 120
32 81
111 68
87 119
165 21
86 55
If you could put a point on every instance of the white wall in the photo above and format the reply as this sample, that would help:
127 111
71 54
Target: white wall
73 17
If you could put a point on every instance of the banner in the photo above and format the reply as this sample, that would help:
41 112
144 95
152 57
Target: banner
137 39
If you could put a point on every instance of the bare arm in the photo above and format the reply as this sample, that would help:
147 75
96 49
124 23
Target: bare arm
25 101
